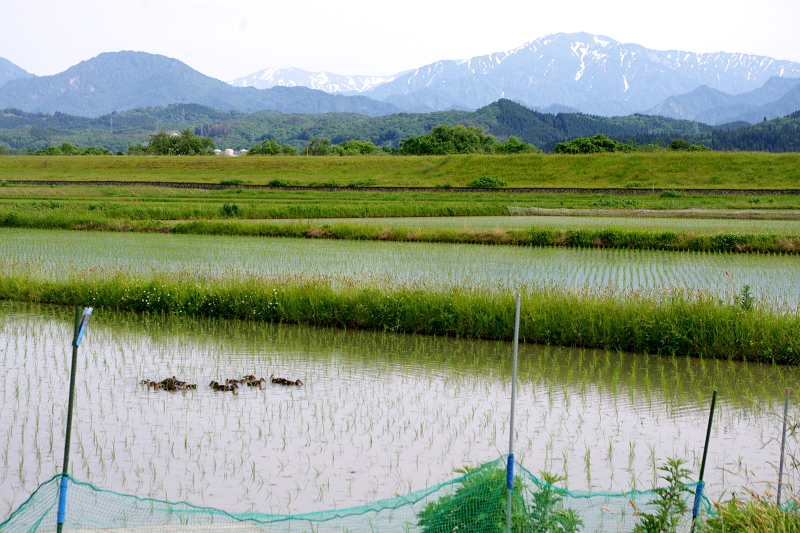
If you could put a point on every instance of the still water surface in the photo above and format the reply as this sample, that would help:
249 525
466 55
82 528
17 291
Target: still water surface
773 279
378 414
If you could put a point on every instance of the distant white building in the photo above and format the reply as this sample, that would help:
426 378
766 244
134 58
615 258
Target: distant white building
230 152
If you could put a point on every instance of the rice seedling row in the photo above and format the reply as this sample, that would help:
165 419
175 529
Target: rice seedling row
378 414
772 278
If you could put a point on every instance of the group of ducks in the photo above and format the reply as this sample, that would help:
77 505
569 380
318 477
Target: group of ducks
169 384
231 385
283 381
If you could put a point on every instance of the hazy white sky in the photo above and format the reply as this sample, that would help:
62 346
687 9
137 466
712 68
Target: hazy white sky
227 39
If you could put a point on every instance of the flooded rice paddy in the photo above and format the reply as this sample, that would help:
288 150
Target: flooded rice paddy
377 415
773 279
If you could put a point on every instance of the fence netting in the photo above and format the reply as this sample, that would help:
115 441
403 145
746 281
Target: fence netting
475 502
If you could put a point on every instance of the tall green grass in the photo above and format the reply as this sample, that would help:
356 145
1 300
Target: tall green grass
675 323
754 516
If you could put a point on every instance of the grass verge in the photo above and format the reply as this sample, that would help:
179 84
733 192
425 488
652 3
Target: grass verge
674 323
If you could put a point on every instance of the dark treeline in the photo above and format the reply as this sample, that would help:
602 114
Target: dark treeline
233 129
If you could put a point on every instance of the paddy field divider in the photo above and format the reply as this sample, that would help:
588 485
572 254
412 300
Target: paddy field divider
671 322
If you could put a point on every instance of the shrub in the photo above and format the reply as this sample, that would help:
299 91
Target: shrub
591 145
486 182
229 210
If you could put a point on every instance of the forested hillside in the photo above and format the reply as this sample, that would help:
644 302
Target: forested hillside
777 135
234 129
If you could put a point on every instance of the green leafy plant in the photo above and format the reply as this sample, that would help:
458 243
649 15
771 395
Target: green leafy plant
745 300
486 182
229 210
669 193
479 506
670 503
547 510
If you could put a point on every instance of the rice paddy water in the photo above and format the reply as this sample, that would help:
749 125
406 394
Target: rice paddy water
774 280
378 414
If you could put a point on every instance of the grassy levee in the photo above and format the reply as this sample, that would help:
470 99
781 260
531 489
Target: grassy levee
578 238
675 323
745 170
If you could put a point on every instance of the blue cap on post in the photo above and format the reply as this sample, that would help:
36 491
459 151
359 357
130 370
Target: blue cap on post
87 313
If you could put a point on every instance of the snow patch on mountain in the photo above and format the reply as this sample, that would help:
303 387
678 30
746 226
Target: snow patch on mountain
323 81
593 73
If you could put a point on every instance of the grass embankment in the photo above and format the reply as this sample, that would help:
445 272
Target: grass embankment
533 236
740 170
674 323
162 203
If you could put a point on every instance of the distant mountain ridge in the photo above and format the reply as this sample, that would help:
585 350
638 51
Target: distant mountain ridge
116 81
778 97
562 72
591 73
9 71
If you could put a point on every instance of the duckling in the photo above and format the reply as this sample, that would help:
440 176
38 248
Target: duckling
250 377
145 382
298 382
274 379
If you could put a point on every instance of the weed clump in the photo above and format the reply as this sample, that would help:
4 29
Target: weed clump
486 182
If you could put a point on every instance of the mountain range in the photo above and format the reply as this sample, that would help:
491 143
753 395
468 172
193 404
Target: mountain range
117 81
9 71
558 73
573 71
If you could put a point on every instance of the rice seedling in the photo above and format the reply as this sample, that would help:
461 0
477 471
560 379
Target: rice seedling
364 415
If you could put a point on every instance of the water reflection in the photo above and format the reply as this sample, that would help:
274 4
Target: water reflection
378 415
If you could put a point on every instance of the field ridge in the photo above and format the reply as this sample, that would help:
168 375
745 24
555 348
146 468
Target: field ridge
620 191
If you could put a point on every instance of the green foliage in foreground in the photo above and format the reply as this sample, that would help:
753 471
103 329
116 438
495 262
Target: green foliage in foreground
755 516
479 506
669 505
672 323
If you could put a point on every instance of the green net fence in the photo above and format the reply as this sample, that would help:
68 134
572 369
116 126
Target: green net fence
476 502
